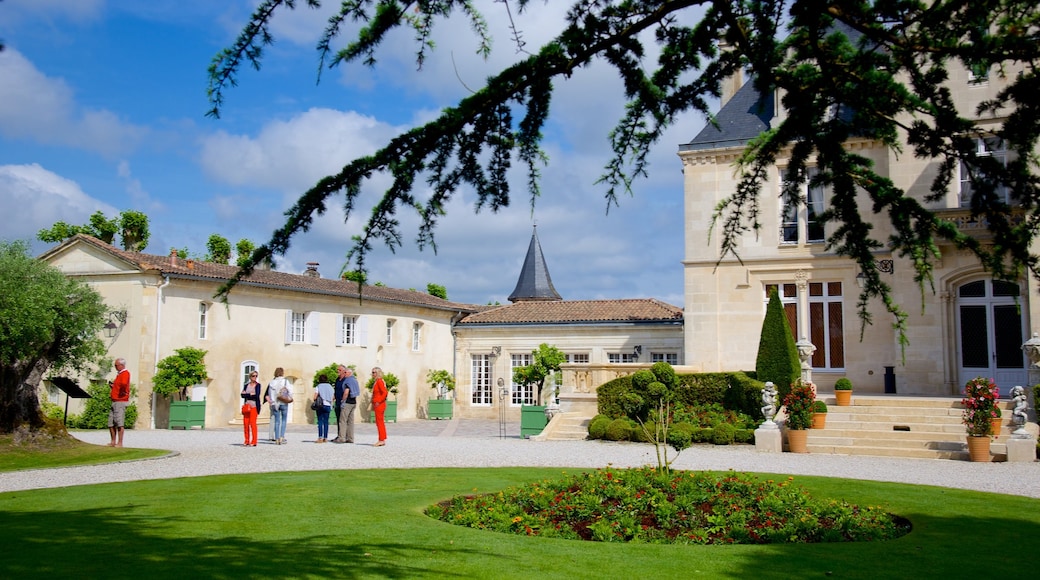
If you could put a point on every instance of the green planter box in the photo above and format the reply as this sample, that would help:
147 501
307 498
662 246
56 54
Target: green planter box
187 414
439 409
532 420
390 415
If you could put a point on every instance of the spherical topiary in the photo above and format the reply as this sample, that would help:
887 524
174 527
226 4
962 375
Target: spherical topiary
724 434
618 430
843 384
680 436
644 433
598 426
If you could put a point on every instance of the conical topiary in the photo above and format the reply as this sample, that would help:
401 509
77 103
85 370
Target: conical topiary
777 359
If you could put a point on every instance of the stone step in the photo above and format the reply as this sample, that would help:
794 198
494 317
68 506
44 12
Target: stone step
957 455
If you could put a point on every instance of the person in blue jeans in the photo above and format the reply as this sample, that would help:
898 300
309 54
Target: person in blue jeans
279 395
324 392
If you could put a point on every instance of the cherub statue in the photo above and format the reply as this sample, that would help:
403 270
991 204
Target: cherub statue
1018 414
769 401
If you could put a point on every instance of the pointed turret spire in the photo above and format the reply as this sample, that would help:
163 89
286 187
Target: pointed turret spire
534 283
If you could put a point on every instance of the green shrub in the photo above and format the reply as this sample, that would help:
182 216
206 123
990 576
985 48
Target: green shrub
608 396
618 430
52 411
680 436
724 434
95 412
744 436
819 406
598 426
843 384
777 359
643 433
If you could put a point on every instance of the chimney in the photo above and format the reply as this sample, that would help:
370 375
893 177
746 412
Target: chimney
173 256
312 270
731 84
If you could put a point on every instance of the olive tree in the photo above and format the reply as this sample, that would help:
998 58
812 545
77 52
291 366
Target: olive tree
48 323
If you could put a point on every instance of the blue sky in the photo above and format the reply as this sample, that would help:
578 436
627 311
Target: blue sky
102 107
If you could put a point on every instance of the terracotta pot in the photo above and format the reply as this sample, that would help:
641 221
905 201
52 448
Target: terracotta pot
994 424
844 398
978 448
819 420
797 440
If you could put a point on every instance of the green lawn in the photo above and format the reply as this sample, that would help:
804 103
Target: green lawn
348 524
65 453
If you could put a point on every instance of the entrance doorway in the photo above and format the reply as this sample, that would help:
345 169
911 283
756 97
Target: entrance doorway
990 333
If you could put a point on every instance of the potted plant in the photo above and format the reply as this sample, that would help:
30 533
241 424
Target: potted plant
843 392
980 396
444 383
177 372
391 405
819 418
799 408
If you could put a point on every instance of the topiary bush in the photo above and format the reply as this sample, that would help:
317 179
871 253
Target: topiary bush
723 434
618 430
680 436
598 426
777 359
744 436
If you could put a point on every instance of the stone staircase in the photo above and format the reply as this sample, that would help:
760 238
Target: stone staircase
900 426
565 427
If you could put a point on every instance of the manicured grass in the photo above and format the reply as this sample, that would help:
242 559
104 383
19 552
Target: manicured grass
65 453
348 524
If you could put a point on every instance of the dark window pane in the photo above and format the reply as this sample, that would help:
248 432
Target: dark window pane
815 289
1007 333
790 290
837 334
791 310
974 343
973 290
817 335
1001 288
833 288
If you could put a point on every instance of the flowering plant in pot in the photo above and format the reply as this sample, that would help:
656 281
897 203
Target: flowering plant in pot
980 406
799 405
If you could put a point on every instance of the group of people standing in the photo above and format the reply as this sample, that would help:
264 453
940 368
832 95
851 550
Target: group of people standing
344 395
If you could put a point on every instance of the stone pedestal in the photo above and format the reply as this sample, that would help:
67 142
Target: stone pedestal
584 403
769 439
1021 450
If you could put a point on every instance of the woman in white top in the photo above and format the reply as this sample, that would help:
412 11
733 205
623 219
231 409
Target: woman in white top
325 394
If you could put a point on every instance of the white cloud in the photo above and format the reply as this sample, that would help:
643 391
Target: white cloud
75 10
32 198
39 108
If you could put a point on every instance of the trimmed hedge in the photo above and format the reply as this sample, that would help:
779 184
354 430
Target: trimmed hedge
733 390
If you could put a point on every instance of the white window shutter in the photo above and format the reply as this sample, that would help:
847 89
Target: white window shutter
288 326
362 331
339 330
312 327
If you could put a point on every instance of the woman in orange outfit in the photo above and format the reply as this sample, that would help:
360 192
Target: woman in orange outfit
251 402
379 394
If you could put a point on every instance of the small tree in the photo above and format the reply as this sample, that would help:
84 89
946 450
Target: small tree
179 371
437 290
441 380
653 392
391 381
243 249
777 359
133 227
219 249
545 361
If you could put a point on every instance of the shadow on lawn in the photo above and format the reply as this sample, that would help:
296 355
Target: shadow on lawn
120 543
951 547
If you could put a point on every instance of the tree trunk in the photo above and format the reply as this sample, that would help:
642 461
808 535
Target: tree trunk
19 402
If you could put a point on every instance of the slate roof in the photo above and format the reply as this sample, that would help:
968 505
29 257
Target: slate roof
745 116
632 310
534 282
218 273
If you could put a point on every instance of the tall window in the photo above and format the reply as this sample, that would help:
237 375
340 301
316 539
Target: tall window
826 323
801 213
416 336
622 357
203 310
390 330
347 330
301 327
668 357
984 147
521 394
480 371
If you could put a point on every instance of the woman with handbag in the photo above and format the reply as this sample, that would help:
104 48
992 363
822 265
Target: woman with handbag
251 403
322 405
279 395
379 394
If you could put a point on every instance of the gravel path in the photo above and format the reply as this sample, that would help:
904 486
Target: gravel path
474 443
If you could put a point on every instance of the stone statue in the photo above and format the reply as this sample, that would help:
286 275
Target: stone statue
769 402
1018 414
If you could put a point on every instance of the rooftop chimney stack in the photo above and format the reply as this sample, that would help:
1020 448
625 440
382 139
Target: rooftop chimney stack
312 270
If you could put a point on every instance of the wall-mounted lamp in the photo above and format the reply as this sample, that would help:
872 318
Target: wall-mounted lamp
638 350
886 266
116 321
861 280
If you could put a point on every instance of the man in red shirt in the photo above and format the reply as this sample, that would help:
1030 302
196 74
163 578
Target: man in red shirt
120 399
